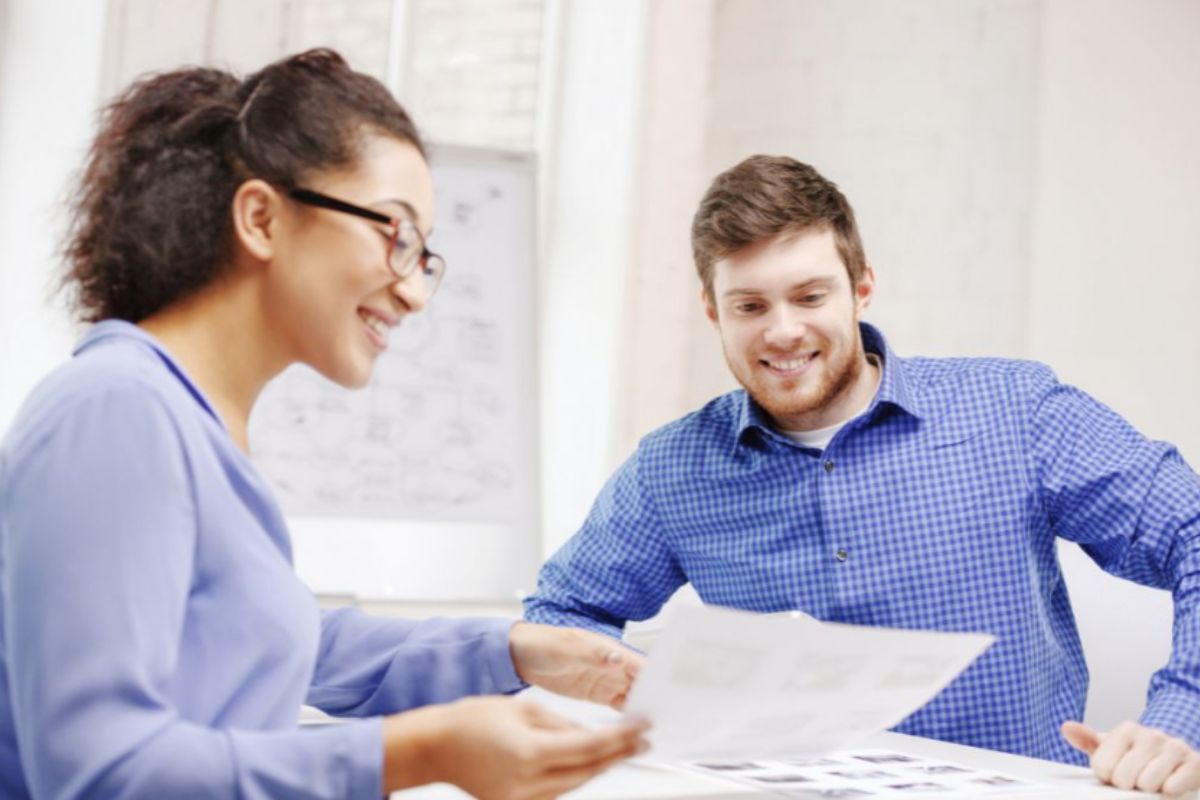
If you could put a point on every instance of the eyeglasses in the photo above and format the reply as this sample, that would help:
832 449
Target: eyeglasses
407 250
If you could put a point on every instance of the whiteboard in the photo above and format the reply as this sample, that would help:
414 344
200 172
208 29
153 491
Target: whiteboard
424 485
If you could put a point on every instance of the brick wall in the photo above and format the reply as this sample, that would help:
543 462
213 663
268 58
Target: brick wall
470 67
472 70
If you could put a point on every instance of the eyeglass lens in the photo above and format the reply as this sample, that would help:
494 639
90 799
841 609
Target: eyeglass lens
407 250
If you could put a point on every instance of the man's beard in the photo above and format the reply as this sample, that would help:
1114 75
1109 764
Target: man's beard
791 406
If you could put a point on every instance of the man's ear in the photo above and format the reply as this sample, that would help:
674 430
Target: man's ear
710 309
865 290
256 208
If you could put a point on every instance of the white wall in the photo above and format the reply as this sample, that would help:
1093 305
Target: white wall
49 87
660 305
1115 267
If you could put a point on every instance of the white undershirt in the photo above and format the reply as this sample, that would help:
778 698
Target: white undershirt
821 437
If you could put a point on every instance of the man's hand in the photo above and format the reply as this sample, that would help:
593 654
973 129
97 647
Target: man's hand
1132 756
574 662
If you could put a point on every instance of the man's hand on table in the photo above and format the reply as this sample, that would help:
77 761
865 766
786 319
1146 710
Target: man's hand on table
1133 756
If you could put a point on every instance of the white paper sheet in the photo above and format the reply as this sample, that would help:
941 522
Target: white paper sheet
730 684
864 774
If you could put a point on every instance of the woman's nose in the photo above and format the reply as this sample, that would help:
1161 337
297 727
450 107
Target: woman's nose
411 291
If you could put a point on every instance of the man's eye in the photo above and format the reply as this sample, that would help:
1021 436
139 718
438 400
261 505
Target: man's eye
812 299
747 308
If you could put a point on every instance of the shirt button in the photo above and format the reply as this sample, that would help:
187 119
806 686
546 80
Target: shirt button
842 554
829 466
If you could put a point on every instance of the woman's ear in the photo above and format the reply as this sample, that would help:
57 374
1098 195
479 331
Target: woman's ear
256 209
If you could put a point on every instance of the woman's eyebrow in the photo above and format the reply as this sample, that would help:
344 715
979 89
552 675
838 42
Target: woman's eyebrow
407 206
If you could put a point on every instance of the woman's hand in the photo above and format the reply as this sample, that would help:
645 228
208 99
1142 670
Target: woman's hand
574 662
498 748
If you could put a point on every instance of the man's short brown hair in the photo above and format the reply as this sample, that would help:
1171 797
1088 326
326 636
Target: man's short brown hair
764 197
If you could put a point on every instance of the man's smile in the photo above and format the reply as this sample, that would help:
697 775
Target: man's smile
791 366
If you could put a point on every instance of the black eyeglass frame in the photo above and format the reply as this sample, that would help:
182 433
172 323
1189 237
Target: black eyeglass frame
310 197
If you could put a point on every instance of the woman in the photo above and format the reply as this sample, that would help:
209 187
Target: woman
155 640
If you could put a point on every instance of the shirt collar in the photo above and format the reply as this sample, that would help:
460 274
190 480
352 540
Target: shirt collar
119 329
894 388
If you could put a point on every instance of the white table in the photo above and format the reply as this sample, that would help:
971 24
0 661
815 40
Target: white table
644 780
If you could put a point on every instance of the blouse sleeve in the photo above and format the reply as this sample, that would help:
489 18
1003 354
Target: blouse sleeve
371 665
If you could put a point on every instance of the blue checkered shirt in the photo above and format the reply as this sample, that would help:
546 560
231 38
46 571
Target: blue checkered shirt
937 509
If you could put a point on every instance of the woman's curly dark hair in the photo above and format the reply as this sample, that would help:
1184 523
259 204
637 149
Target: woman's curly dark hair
151 222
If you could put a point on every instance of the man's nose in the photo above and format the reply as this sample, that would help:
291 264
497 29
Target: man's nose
785 327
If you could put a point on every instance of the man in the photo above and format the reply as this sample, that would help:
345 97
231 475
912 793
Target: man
857 486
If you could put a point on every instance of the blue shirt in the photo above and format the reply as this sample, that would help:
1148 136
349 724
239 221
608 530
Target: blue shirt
936 509
154 639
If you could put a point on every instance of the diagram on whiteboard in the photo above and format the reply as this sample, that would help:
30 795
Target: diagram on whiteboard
445 429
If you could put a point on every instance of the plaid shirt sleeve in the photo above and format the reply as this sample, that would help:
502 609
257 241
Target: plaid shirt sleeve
1134 506
619 566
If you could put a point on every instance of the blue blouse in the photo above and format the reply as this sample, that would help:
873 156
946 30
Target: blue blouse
154 639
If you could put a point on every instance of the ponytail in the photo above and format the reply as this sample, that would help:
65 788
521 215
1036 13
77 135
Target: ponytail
151 222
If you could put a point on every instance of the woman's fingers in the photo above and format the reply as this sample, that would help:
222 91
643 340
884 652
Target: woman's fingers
564 779
582 747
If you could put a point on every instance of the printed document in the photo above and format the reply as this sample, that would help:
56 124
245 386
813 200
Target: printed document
730 684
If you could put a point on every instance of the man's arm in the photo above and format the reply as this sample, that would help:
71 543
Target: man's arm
1134 506
618 567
